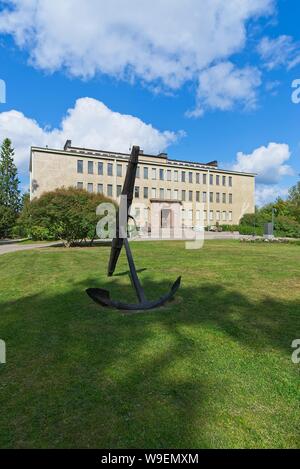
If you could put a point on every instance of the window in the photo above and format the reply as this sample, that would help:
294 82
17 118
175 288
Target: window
161 193
204 178
146 214
137 212
211 179
153 173
190 177
197 178
190 214
218 197
217 180
145 172
100 168
190 196
100 188
176 176
203 197
90 167
218 218
109 169
198 215
224 216
119 190
176 194
79 185
153 193
183 195
211 215
224 198
136 192
109 190
168 175
211 196
230 216
146 192
137 172
182 176
204 215
90 187
161 174
80 166
197 196
119 170
230 181
224 180
168 194
230 198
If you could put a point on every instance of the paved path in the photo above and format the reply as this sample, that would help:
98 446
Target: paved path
5 248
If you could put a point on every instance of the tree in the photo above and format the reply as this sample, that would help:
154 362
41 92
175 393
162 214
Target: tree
68 214
10 200
294 201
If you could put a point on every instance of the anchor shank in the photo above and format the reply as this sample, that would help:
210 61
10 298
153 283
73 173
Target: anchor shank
133 274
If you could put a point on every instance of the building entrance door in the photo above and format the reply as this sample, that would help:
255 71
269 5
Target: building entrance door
166 218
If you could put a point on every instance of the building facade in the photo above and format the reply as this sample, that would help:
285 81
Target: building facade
205 192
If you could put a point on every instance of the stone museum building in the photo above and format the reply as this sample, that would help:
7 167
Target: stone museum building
204 190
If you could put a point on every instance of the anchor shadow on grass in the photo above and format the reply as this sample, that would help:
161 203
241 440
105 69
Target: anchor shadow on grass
89 376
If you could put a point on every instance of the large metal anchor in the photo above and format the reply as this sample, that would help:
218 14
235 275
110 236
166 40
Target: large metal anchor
102 296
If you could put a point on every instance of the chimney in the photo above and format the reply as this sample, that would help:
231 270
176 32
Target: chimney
68 144
213 163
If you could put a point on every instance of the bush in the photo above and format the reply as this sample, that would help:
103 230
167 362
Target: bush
250 230
67 214
229 227
244 229
40 233
18 231
287 227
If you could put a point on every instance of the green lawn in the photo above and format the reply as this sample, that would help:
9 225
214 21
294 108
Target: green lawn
211 369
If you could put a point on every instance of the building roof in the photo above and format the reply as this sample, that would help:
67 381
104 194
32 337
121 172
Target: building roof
93 153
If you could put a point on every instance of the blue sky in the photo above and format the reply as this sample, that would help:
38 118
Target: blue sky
201 80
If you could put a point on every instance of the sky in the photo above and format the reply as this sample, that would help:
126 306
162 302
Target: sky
199 79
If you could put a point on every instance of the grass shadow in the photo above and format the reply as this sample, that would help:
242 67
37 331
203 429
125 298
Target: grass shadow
79 375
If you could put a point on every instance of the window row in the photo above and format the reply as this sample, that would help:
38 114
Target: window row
186 196
188 215
213 216
157 174
165 194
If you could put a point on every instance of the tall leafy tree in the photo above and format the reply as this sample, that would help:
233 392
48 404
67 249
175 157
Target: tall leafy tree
294 201
10 199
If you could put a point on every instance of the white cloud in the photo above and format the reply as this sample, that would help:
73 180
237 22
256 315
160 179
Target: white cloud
280 51
223 86
266 162
265 194
162 42
89 124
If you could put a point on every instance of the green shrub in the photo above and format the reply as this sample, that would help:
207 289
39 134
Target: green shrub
40 233
287 226
229 227
67 214
18 231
